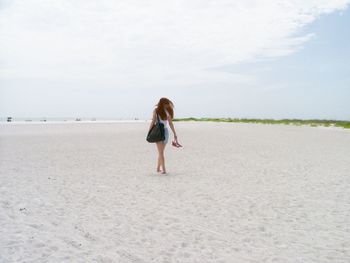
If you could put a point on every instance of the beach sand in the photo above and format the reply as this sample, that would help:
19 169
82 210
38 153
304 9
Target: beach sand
88 192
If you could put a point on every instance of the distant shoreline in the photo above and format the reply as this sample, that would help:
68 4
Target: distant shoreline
64 119
70 121
297 122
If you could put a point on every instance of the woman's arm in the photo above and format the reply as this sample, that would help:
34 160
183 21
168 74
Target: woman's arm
172 126
153 120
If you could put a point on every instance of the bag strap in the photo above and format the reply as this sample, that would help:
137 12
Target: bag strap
158 118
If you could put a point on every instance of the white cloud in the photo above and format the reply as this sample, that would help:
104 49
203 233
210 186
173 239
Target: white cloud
144 43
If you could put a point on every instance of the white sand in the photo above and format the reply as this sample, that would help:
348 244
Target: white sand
235 193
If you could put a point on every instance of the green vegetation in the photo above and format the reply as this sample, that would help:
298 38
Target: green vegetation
313 123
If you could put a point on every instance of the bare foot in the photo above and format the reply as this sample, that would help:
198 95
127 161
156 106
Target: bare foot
164 172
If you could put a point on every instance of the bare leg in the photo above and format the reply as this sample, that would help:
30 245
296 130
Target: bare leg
159 147
159 164
162 157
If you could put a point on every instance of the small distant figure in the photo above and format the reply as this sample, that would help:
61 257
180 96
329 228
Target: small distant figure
9 119
165 112
77 119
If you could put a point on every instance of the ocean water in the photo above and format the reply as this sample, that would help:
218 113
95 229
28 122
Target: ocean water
65 119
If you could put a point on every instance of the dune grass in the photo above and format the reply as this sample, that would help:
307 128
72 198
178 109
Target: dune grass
313 123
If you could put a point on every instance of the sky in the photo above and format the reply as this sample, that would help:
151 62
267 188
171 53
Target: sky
212 58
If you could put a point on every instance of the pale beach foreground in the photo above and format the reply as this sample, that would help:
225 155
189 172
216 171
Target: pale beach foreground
85 192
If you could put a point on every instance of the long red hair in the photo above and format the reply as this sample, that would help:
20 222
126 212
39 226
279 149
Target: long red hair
165 104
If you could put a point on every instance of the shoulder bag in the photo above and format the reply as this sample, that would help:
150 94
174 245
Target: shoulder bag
156 133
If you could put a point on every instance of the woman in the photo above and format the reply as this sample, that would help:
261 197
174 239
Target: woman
165 111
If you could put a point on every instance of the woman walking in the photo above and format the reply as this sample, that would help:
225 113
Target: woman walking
165 111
